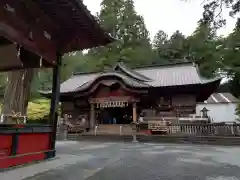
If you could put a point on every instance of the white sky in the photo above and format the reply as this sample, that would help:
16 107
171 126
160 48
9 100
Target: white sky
169 15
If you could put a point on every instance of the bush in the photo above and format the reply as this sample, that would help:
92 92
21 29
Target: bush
38 109
237 111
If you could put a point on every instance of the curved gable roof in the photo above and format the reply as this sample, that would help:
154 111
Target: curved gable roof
128 81
158 76
132 73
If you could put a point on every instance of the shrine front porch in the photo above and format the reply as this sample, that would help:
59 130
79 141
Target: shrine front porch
113 129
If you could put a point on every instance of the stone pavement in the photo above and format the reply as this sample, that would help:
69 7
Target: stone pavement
129 161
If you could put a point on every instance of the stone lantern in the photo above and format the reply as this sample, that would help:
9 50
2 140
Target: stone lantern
204 112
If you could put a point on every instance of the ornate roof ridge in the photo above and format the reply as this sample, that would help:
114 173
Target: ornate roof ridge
130 72
140 67
165 65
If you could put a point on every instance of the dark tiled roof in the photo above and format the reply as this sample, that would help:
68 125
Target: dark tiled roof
158 76
216 98
129 81
131 72
174 75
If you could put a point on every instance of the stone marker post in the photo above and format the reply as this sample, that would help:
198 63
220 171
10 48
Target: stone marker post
65 126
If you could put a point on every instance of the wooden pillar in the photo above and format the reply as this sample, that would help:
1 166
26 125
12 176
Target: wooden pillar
65 128
92 116
135 121
53 116
134 111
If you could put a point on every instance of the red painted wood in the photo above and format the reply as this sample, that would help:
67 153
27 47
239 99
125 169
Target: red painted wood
148 132
34 142
5 145
18 160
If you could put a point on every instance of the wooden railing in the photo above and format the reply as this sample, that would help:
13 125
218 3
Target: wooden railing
204 129
186 129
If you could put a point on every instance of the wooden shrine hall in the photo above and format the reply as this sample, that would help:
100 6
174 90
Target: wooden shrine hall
120 95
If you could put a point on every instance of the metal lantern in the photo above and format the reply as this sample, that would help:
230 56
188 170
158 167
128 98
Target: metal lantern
204 112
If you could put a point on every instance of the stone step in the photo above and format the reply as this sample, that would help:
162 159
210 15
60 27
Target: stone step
114 129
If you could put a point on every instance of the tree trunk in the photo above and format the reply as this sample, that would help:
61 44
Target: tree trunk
17 93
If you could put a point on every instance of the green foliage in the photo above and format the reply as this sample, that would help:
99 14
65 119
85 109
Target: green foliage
133 45
200 47
238 110
213 54
38 109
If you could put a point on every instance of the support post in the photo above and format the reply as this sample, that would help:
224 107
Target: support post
92 116
53 116
134 112
135 122
65 128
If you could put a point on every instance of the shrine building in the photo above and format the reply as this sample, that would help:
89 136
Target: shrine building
164 91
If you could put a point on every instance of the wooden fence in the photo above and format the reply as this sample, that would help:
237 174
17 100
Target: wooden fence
203 129
186 129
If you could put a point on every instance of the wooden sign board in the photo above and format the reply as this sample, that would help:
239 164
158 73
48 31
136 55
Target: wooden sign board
157 125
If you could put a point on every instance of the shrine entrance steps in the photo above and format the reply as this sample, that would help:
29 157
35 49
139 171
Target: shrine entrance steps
107 132
111 129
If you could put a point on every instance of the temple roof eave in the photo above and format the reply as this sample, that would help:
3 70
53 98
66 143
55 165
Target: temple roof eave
214 83
180 75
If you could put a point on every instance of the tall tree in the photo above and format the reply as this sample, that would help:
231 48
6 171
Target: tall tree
3 82
172 50
73 62
176 47
230 52
133 45
17 93
160 39
202 49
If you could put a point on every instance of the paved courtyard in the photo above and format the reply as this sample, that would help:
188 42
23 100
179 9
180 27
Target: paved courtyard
129 161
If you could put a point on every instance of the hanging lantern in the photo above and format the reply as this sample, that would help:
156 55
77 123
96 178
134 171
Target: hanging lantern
40 62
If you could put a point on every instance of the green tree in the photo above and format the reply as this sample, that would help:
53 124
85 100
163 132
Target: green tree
172 50
3 82
133 45
237 111
202 49
73 62
160 47
160 39
176 47
229 51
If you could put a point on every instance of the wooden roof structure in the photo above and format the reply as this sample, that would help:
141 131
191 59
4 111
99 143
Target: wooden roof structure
221 98
40 30
178 75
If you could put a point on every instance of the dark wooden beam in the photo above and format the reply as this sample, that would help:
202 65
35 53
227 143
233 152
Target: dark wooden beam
53 116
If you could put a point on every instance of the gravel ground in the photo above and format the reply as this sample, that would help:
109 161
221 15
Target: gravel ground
133 161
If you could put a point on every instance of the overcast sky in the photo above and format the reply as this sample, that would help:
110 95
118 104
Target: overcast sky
168 15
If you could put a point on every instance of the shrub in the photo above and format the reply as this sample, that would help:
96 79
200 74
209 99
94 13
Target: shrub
38 109
237 111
